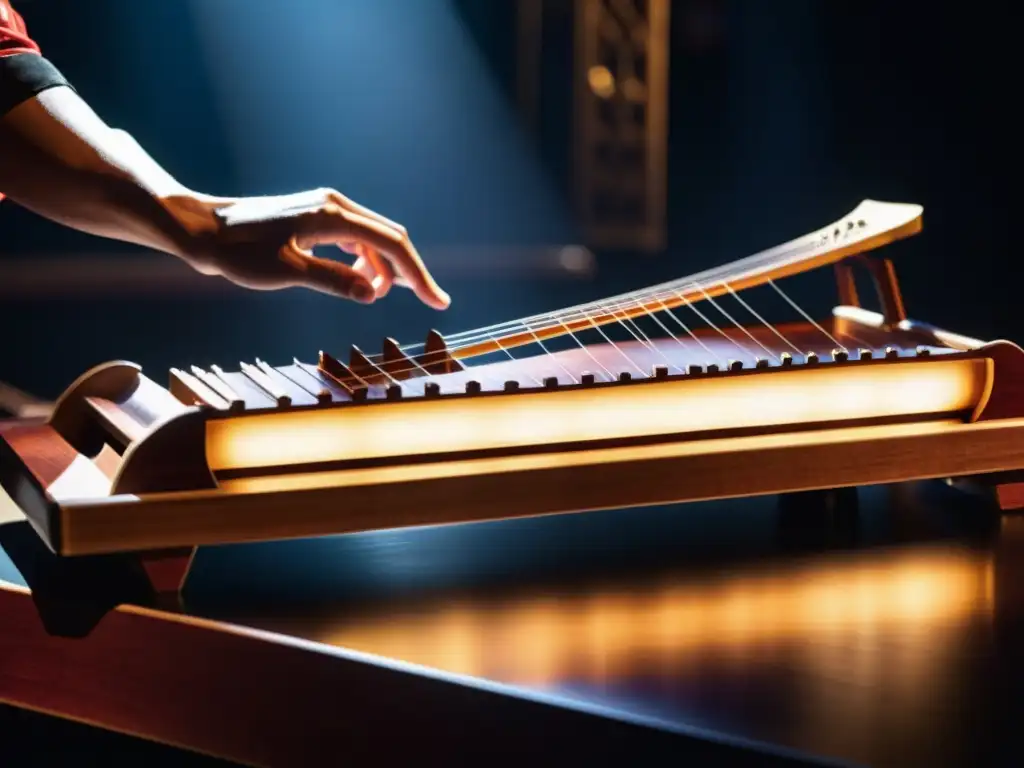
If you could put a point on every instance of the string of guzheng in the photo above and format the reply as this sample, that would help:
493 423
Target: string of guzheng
643 300
738 270
640 300
659 294
571 334
616 309
623 308
779 256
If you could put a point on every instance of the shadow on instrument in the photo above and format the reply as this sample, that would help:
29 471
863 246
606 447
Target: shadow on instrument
72 595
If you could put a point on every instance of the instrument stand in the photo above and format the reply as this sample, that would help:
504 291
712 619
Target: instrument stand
887 287
1005 490
73 594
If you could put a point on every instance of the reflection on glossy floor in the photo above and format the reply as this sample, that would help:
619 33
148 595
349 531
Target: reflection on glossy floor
885 650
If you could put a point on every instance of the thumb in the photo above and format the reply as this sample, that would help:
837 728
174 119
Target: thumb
331 277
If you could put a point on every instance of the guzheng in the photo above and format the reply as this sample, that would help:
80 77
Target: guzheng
696 403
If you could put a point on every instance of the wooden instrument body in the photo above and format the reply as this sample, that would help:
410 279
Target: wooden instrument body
126 478
401 439
92 485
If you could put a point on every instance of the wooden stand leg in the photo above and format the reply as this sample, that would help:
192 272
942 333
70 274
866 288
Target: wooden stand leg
73 594
1005 490
887 286
1010 496
167 571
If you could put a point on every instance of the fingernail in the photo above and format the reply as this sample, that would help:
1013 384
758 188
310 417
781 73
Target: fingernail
444 298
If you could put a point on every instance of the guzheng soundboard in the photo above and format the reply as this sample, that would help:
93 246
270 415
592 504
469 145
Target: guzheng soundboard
694 404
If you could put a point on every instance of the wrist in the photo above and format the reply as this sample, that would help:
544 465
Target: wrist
195 225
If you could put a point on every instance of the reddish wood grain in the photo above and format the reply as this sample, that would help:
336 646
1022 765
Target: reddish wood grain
45 454
167 569
1010 496
265 699
1006 400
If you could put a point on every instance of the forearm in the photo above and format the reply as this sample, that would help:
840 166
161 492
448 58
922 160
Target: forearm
60 160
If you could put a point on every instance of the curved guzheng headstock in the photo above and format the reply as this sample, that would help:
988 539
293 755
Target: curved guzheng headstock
428 433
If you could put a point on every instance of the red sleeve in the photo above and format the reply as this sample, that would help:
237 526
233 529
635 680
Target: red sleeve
14 37
23 70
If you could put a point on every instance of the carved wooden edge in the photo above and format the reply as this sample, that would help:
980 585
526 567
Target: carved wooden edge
28 488
72 416
1005 396
172 457
165 455
34 457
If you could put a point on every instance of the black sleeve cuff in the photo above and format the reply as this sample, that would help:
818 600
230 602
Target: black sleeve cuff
24 75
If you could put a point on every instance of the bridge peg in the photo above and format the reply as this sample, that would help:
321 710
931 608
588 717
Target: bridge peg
436 358
551 382
811 358
360 395
891 353
866 354
762 362
660 371
625 376
787 359
473 387
431 389
394 392
511 385
338 371
695 370
923 351
735 365
362 368
586 378
840 355
395 362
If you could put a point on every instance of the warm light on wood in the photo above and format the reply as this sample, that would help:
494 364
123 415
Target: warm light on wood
675 406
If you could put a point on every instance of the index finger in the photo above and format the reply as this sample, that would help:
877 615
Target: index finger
403 256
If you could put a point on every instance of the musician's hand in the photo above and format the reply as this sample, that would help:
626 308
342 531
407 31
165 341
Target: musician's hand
266 243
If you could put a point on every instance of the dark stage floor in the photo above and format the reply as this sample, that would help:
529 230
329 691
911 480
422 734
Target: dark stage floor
882 627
